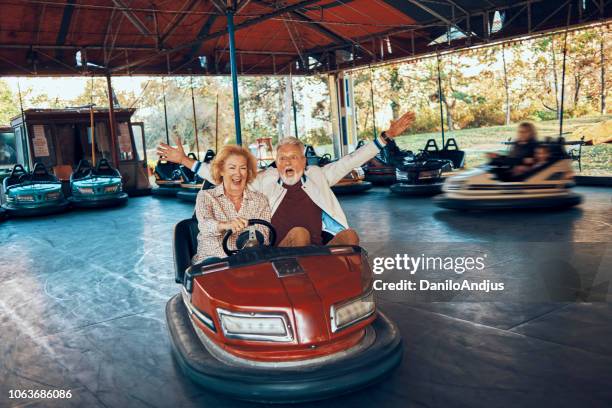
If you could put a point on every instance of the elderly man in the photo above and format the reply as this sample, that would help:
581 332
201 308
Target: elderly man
304 208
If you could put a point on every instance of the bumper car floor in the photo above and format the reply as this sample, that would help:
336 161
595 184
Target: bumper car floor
82 298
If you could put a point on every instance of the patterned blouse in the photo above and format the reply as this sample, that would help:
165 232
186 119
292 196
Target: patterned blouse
213 206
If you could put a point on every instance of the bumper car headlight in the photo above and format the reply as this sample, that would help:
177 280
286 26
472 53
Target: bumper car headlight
255 326
111 189
25 197
347 313
53 196
85 190
429 174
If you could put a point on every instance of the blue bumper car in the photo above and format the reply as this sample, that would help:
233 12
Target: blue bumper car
96 187
31 194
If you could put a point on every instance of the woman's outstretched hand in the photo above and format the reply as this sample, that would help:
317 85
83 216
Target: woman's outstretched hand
236 225
399 126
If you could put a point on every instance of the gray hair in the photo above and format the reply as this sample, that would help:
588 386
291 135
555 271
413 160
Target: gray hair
289 141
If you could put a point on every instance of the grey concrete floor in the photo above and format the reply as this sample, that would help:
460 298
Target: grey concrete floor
82 298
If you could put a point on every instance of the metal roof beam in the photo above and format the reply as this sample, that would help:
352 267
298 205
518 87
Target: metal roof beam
65 25
438 15
220 33
178 19
133 18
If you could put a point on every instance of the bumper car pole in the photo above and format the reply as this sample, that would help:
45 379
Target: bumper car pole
232 50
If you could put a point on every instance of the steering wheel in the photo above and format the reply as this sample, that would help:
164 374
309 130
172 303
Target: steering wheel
250 237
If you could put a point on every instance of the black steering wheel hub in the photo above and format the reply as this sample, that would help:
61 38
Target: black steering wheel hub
250 237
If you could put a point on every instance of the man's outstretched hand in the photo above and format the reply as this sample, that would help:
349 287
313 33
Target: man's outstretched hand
399 126
173 154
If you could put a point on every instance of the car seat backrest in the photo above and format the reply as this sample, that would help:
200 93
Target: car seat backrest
40 174
431 146
83 170
209 156
104 169
311 156
16 173
185 246
449 152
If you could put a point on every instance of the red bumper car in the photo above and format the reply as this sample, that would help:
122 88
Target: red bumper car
278 325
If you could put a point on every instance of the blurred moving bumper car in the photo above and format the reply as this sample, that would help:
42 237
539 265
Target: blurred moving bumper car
30 194
96 187
275 324
493 187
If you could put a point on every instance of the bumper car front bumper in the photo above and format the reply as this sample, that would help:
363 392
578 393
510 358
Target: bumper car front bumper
35 210
406 189
188 194
352 188
285 384
165 191
99 201
504 203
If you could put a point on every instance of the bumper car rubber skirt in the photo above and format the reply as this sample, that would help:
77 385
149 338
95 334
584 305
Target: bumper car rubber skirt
188 194
503 203
282 385
165 191
352 188
113 201
381 179
417 189
17 211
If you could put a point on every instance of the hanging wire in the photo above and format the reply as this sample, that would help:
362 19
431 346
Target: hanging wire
23 121
92 123
569 15
217 124
440 97
295 127
195 121
372 101
165 111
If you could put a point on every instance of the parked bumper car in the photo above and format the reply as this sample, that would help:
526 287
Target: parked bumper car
278 325
31 194
96 187
381 169
419 175
168 178
192 183
491 187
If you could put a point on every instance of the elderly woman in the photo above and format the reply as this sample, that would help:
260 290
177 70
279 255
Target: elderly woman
231 204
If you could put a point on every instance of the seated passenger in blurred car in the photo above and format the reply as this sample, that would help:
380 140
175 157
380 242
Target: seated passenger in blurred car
541 157
523 147
231 204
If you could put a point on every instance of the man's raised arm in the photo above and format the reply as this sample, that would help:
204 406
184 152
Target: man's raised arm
335 171
177 155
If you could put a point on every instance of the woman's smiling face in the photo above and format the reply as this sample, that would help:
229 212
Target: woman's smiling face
235 174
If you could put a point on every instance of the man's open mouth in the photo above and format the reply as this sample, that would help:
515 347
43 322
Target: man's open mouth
289 172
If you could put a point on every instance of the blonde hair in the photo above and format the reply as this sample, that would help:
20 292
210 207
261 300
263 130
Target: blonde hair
290 141
233 150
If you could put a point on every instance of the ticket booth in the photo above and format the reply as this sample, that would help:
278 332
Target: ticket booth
60 138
